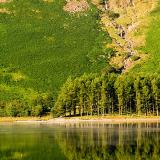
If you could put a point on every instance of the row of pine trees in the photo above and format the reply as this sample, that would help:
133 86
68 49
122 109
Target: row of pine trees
95 94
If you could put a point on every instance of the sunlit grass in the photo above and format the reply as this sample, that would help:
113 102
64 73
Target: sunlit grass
33 119
152 47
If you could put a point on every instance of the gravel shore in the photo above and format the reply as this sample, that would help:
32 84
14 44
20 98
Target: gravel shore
96 120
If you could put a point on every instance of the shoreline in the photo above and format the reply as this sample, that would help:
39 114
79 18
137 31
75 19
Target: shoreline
85 119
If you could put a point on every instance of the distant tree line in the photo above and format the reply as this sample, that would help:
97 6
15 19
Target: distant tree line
38 106
95 94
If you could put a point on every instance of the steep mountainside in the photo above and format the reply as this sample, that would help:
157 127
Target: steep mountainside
41 44
134 29
152 46
127 22
44 42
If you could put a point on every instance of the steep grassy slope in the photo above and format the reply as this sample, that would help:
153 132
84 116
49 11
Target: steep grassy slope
152 46
41 45
127 23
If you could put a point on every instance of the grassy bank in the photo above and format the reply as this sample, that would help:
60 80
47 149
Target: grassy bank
119 117
34 119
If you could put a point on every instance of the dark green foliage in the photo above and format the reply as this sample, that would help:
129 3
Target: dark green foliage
38 106
37 110
15 108
87 95
95 94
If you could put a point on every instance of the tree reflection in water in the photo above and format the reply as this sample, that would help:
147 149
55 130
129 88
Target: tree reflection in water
110 141
80 141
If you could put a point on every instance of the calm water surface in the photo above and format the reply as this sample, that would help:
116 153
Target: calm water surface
87 141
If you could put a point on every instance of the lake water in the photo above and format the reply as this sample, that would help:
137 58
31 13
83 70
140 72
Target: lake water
87 141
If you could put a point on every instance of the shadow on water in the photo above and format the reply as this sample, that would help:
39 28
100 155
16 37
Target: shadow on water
87 141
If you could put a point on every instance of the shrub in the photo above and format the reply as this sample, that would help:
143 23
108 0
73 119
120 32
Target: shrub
113 15
2 109
37 110
12 110
16 108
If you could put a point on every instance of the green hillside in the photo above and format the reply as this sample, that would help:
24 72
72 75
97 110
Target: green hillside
137 89
41 45
152 47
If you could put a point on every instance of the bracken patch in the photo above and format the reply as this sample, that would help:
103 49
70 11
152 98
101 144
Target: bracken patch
74 6
4 1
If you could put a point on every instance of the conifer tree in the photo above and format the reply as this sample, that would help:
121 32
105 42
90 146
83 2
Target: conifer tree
120 93
103 100
137 89
156 92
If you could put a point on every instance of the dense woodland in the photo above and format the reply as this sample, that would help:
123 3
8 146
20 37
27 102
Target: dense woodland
109 94
36 106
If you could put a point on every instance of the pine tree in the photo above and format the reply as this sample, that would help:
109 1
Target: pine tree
103 100
111 92
146 90
128 93
156 92
120 93
137 89
97 93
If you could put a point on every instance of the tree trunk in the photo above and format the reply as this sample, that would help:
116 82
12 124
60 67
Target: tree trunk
153 108
91 109
81 111
70 113
112 106
74 111
157 106
103 111
146 109
98 110
130 106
